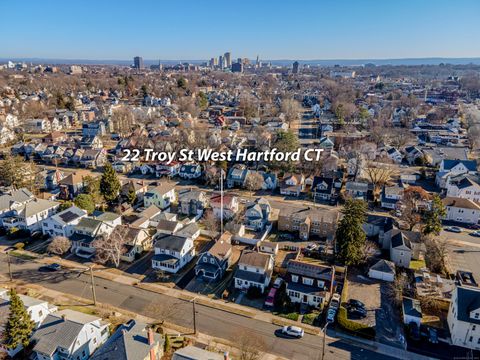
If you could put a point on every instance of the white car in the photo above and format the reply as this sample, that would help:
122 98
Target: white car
335 302
278 282
294 331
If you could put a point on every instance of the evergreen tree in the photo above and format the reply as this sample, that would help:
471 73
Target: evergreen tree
109 184
85 202
19 324
350 235
131 196
433 217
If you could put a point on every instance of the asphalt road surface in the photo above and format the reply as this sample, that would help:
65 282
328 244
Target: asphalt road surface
210 321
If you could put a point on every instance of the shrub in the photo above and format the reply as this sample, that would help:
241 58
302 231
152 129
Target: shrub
354 326
254 292
290 316
19 245
309 319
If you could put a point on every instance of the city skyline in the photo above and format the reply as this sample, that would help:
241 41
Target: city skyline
307 31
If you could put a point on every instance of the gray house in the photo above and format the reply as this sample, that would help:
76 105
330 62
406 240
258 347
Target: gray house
256 214
237 175
192 202
212 264
405 246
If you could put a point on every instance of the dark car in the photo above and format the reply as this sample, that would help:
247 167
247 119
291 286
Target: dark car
356 304
433 338
475 233
51 267
357 313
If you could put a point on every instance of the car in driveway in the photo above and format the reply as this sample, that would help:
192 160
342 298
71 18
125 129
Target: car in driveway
331 315
433 336
356 313
278 282
454 229
335 301
475 233
50 268
293 331
353 303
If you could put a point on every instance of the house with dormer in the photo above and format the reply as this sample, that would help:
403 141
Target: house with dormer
406 246
292 184
464 317
465 187
212 264
190 171
171 252
254 269
309 283
161 196
453 168
237 175
322 188
256 214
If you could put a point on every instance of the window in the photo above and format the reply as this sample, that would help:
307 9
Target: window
474 327
205 259
307 281
470 339
212 261
295 278
476 315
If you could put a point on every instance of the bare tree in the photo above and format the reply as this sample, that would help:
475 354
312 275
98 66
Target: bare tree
291 108
59 245
379 175
411 203
210 221
123 121
253 181
249 345
111 248
395 289
436 254
399 137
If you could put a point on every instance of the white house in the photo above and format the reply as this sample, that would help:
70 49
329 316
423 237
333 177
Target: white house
382 270
462 210
453 168
254 269
69 334
63 223
395 155
161 196
292 184
230 205
190 171
172 252
411 310
465 187
30 215
391 195
464 317
405 246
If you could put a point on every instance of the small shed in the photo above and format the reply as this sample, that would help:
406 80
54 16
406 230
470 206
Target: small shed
383 270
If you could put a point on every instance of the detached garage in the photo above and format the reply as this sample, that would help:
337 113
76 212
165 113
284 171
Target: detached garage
383 270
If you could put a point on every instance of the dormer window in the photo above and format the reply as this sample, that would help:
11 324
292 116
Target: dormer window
476 315
295 278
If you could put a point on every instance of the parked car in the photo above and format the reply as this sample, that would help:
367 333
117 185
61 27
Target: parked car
310 247
356 304
278 282
294 331
475 233
270 300
354 312
51 267
335 301
454 229
331 315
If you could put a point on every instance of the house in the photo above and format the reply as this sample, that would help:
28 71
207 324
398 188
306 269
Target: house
190 171
465 187
435 155
167 169
161 196
192 202
464 317
145 218
139 187
309 282
382 270
462 210
412 311
93 158
172 252
237 175
63 223
257 214
356 189
270 181
169 227
322 188
394 154
212 264
37 126
13 200
268 247
190 230
254 269
69 334
30 215
412 153
72 185
91 142
53 178
405 246
85 232
379 228
454 168
292 184
94 128
36 308
391 195
131 341
308 222
136 240
195 353
230 205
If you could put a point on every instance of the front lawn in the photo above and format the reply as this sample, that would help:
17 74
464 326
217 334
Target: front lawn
417 264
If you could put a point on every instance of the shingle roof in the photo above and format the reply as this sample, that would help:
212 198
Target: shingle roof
471 165
384 266
170 242
411 307
194 353
316 271
254 258
460 203
468 299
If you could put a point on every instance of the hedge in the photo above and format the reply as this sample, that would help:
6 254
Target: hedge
290 316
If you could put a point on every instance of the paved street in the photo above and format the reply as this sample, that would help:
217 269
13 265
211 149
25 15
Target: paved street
209 321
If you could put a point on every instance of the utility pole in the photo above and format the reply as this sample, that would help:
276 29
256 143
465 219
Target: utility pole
93 286
194 318
221 201
324 336
9 266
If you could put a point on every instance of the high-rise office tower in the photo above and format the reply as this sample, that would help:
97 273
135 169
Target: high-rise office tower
138 62
220 61
228 59
295 67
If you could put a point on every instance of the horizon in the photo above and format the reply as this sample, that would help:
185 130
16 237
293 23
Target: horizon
341 30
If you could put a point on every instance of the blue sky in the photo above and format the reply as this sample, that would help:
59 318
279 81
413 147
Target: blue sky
200 29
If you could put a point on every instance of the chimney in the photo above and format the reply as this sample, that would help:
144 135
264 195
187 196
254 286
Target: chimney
226 356
150 343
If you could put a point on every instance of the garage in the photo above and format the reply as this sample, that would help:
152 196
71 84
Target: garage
383 270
